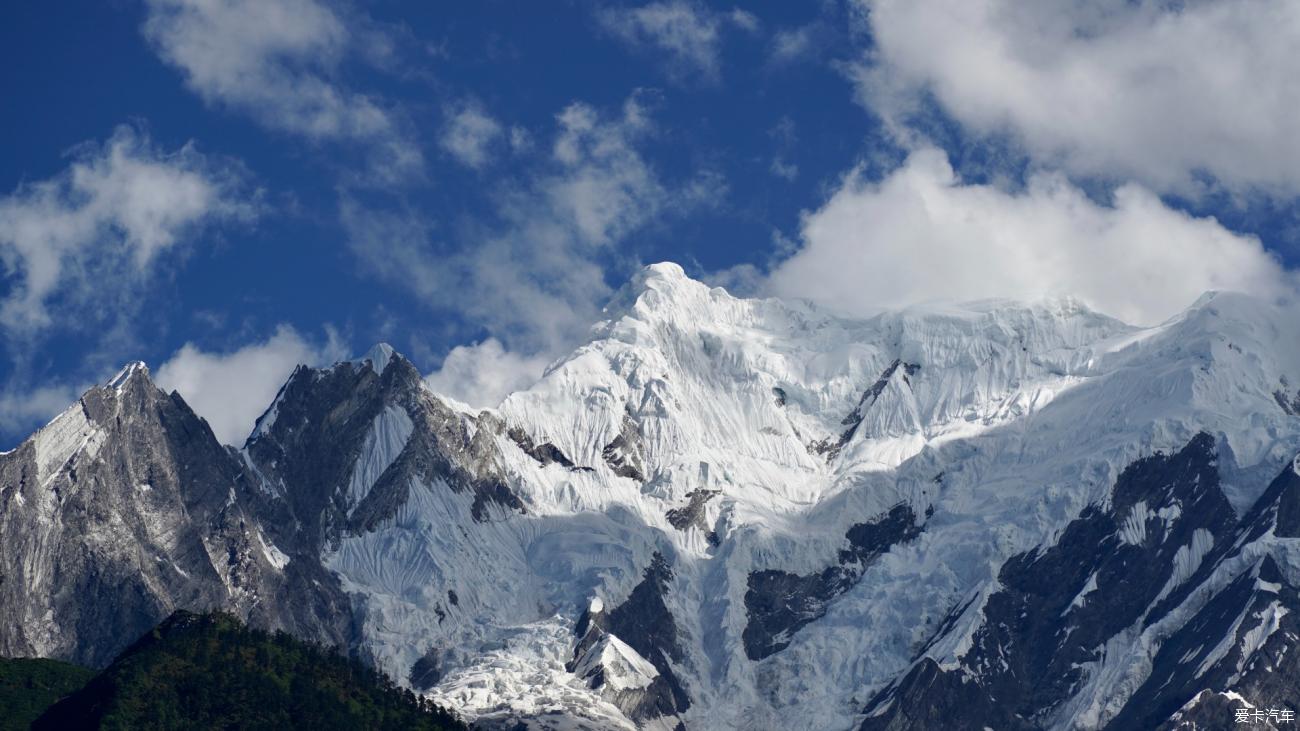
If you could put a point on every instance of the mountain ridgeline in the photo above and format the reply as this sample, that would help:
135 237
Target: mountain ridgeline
718 513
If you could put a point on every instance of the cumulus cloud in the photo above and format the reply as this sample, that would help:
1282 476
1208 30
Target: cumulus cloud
469 134
99 225
1160 92
689 34
484 373
922 234
277 61
232 389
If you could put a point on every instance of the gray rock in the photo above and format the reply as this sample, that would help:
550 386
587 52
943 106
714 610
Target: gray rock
779 604
1107 574
625 454
125 508
645 624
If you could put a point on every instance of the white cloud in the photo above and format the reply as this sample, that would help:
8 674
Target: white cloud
532 274
276 61
533 278
744 20
688 33
484 373
100 224
921 234
784 170
520 140
232 389
1160 92
792 44
469 134
603 187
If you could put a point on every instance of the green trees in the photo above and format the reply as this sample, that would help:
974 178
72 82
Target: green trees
28 686
211 672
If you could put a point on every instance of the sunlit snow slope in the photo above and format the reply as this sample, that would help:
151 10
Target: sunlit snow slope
723 513
734 437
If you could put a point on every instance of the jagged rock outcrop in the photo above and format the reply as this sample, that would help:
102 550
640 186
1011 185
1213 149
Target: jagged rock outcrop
1165 563
624 453
636 674
779 603
343 445
124 508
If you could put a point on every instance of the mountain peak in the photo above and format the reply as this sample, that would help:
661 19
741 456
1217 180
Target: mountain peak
661 291
664 277
379 357
128 371
664 270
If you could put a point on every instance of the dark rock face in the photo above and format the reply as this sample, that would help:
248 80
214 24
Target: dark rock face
832 448
930 698
544 453
645 624
318 428
1258 605
1288 506
1209 710
128 498
1115 569
1289 403
779 603
625 454
1187 663
692 515
426 672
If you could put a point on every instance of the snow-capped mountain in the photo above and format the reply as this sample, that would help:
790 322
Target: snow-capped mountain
724 513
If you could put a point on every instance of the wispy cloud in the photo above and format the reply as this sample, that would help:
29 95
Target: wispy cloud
745 20
469 134
532 277
277 61
787 171
95 229
792 44
689 34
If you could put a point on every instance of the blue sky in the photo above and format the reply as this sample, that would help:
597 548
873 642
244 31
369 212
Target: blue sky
223 188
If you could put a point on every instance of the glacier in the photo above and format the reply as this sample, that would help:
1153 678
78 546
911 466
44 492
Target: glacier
1016 418
732 513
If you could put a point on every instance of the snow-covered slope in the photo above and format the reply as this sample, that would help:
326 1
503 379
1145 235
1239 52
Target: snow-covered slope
730 513
757 445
